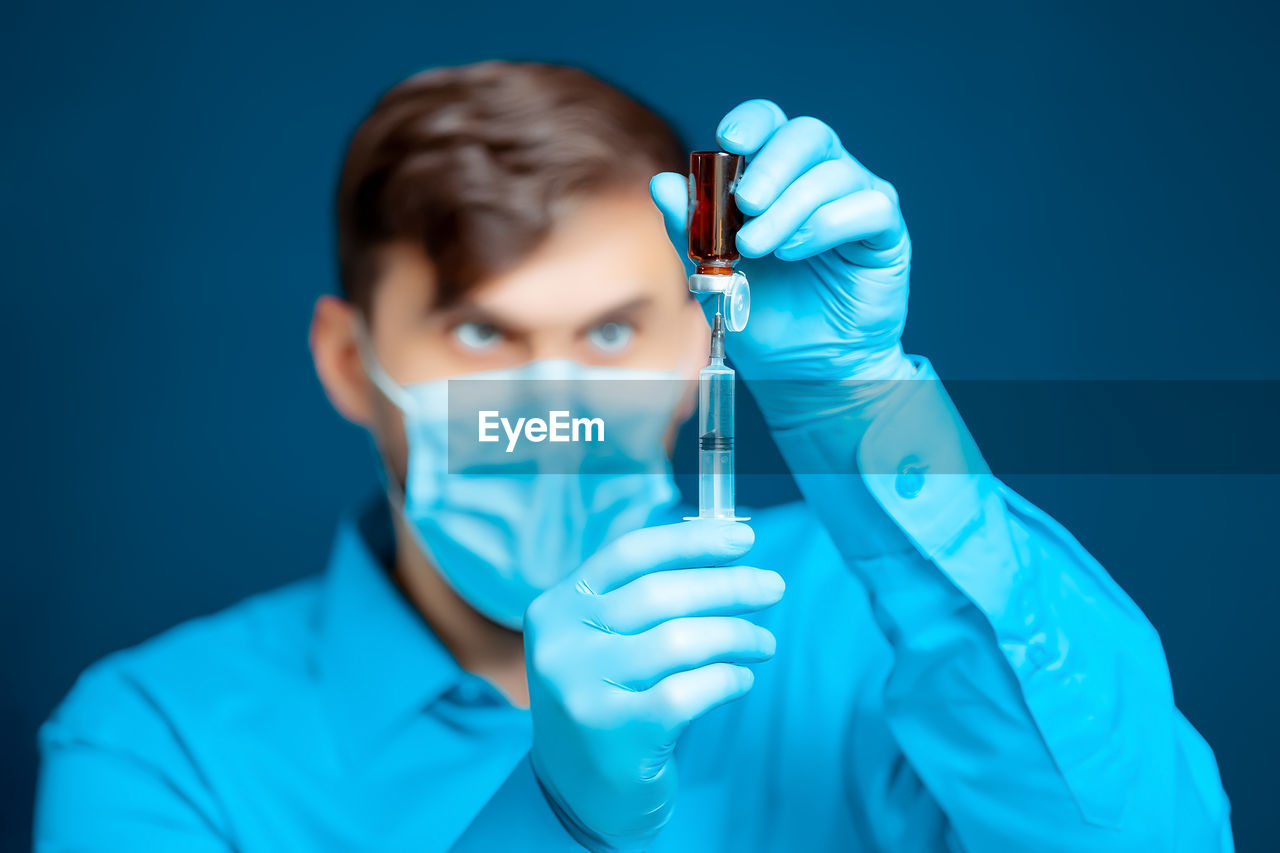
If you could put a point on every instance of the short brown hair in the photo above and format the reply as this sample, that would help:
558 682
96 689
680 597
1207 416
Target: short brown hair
470 162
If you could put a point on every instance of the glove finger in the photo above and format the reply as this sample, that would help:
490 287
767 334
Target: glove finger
681 698
792 150
825 182
868 216
681 545
670 192
652 599
749 125
689 643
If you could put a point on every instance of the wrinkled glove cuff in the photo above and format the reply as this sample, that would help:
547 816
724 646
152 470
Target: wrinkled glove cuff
795 403
584 835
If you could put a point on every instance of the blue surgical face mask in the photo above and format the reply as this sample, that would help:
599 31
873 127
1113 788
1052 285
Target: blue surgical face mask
500 539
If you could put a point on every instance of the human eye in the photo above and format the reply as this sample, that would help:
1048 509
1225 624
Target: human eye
612 337
477 336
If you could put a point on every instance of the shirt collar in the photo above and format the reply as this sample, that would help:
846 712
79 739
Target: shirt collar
379 662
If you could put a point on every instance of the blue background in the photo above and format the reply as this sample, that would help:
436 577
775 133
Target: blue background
1091 190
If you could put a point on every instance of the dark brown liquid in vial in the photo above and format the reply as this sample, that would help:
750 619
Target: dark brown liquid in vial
714 218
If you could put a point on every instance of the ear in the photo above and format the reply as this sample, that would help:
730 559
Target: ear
337 359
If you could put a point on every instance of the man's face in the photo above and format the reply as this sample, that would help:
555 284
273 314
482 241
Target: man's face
606 288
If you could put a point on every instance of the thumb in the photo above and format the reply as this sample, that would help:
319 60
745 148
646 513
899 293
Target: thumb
670 192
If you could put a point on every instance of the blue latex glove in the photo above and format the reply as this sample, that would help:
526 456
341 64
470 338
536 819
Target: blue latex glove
827 255
623 655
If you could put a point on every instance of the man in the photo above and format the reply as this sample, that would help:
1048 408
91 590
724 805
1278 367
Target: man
541 661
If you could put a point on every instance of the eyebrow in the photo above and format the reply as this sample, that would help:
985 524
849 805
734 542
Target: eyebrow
621 311
466 311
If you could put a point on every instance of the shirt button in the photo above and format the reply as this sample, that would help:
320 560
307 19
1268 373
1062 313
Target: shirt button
468 693
1040 656
910 480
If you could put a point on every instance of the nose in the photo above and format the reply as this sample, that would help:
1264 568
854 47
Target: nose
551 343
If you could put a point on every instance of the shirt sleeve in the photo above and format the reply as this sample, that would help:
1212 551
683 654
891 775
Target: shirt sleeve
518 817
112 777
1028 693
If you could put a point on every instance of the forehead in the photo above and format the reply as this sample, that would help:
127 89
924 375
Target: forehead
605 250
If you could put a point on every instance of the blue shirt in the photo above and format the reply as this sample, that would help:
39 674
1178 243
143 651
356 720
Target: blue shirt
954 671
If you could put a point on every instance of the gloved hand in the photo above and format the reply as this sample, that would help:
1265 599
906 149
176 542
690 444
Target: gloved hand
827 255
623 655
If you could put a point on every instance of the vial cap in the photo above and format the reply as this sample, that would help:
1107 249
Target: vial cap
737 303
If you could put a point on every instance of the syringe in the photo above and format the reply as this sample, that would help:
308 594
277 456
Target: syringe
715 432
714 220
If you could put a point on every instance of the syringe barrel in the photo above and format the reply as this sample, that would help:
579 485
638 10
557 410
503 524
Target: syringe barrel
715 445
